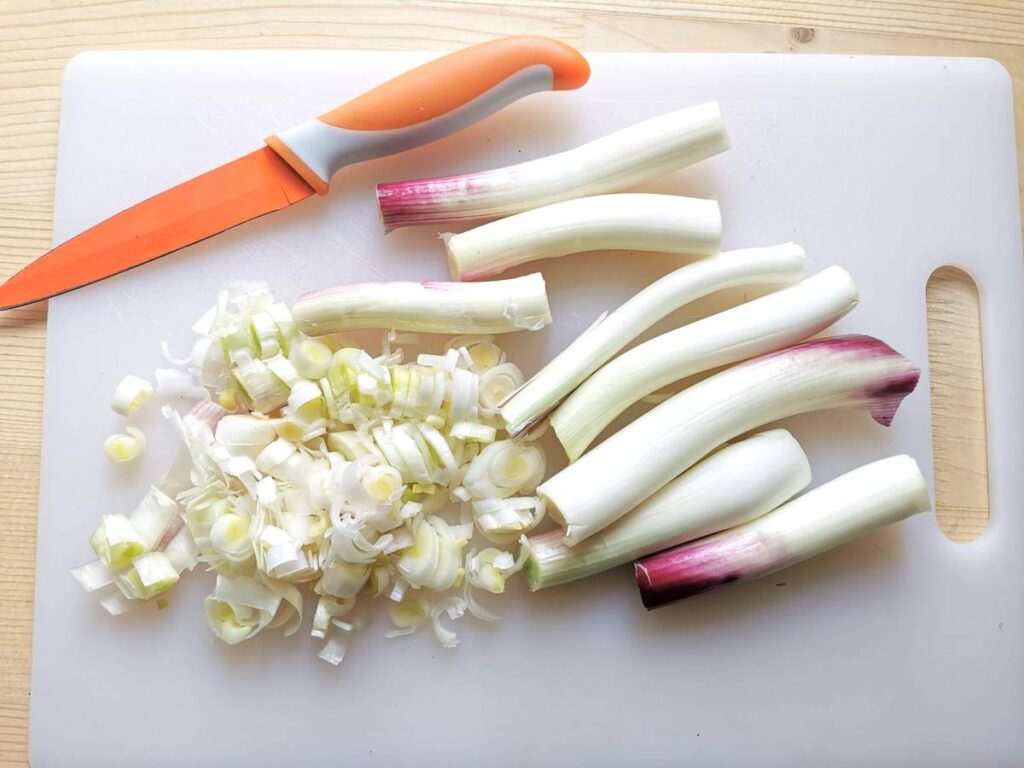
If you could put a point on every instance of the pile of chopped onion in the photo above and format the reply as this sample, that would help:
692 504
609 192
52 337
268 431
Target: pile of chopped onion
307 463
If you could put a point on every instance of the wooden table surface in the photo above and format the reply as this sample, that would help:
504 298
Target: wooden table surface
38 37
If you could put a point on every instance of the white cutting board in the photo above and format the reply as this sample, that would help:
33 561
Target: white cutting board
899 649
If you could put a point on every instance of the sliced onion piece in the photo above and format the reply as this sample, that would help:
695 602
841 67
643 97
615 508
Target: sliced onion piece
116 542
240 607
131 394
311 358
477 433
408 615
327 609
454 607
245 430
93 576
497 384
341 579
152 573
505 468
125 447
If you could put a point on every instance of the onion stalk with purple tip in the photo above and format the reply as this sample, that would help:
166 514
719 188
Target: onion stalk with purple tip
872 496
858 372
738 483
617 161
774 265
760 326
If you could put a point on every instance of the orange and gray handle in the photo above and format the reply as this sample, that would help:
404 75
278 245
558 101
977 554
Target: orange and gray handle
427 103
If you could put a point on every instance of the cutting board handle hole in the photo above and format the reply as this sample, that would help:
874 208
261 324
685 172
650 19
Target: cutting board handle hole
959 445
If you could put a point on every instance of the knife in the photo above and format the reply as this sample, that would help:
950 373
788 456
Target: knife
422 105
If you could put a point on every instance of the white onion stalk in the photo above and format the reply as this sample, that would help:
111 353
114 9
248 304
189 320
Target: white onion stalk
846 371
872 496
500 306
624 222
741 482
755 328
780 264
619 160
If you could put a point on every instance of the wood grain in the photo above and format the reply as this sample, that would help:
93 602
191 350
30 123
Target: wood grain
958 404
37 39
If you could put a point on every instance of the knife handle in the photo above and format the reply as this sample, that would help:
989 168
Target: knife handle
427 103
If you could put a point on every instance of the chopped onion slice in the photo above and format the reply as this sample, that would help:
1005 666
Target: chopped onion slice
240 607
170 382
504 468
116 542
155 574
454 607
327 609
408 615
477 433
155 514
245 430
341 579
125 447
498 383
130 395
93 576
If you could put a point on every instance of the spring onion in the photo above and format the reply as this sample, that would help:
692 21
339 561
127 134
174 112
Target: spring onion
500 306
760 326
131 394
781 264
738 483
846 371
617 161
631 222
125 447
872 496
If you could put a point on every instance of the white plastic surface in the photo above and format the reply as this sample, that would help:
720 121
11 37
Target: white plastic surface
899 649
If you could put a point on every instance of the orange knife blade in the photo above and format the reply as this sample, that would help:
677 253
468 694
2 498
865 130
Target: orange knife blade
251 186
422 105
